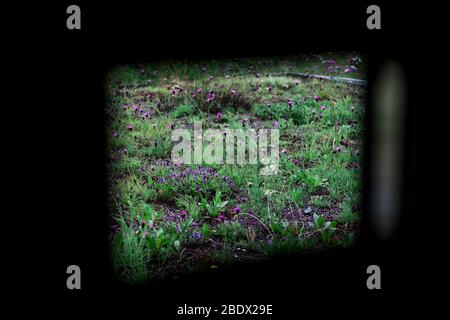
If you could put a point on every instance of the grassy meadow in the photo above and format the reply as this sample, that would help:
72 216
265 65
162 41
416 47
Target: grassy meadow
168 220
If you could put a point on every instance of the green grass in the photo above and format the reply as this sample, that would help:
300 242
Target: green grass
169 219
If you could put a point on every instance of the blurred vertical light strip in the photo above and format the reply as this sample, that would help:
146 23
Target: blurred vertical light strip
389 104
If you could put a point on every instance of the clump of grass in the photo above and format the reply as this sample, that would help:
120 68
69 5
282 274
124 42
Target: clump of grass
183 110
200 182
129 255
280 111
347 216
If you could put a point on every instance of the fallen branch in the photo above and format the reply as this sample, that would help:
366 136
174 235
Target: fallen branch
357 82
339 79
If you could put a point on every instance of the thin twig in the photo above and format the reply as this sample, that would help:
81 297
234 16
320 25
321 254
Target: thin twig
267 228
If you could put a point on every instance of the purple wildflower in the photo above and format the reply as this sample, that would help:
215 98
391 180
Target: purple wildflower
290 102
211 96
115 134
275 124
236 209
233 92
296 162
218 116
183 214
130 127
317 98
323 108
196 235
345 142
